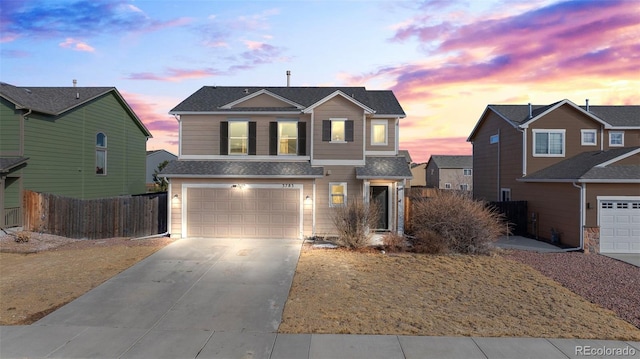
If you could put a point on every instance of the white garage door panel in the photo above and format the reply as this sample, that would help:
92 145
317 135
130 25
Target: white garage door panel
619 226
249 212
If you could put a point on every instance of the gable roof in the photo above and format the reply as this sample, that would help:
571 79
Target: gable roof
450 161
210 99
384 168
55 101
593 166
621 117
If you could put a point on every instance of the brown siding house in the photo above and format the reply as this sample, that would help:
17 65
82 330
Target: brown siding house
272 162
450 172
578 168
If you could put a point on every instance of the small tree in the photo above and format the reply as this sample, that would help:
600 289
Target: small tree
161 183
354 222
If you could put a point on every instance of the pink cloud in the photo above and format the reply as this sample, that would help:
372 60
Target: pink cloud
174 75
71 43
154 116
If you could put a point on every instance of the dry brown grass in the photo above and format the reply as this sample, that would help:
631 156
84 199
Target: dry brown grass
340 291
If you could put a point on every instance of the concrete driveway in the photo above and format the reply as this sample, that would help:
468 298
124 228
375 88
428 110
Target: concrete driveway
171 304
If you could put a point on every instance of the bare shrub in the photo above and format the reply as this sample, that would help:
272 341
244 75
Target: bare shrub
353 222
465 225
393 242
22 237
427 241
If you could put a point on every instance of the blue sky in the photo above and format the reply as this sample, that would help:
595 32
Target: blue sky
445 60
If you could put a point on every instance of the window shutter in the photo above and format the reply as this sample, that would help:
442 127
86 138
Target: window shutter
348 130
302 138
224 138
273 138
326 130
252 138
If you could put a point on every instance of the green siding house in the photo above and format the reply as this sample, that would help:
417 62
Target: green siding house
80 142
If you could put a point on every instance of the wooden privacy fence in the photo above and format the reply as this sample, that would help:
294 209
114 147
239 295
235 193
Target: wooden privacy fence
124 216
515 212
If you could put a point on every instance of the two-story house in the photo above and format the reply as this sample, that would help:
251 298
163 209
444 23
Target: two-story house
578 168
80 142
272 162
449 172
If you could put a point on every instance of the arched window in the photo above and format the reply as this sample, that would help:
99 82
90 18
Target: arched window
101 153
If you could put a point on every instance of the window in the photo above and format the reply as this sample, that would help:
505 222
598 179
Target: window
466 172
287 138
379 132
494 139
101 154
337 193
548 143
447 186
589 137
464 187
238 137
616 139
338 131
505 194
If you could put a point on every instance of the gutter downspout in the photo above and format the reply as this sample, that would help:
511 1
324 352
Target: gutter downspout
582 217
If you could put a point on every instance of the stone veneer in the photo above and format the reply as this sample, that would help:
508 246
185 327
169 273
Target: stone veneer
591 240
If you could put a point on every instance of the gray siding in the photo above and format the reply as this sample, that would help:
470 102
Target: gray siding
338 107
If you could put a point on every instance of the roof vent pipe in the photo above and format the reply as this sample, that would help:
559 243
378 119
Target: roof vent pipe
530 110
288 78
587 100
75 82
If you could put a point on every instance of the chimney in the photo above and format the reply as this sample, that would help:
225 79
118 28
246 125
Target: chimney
587 100
530 110
288 78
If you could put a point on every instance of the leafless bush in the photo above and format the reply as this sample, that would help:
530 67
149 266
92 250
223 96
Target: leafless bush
353 222
393 242
465 225
427 241
22 237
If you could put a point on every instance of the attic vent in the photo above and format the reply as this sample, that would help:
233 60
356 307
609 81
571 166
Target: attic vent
27 91
246 90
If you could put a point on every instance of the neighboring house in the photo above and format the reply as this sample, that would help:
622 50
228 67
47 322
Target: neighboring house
81 142
154 159
418 170
578 168
450 172
271 162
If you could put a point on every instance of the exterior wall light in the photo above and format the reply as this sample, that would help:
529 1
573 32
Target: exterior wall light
308 200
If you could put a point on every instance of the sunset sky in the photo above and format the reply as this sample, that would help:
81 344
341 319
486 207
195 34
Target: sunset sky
445 60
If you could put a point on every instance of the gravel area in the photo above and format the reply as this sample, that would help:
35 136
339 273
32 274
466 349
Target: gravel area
605 281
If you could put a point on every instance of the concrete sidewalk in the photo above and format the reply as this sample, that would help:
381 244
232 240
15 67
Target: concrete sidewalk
527 244
224 299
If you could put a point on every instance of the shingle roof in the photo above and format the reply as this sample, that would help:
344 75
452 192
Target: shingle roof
384 168
9 163
241 169
447 161
212 98
616 116
584 167
51 100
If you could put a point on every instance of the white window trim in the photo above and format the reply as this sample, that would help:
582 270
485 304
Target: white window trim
464 187
344 200
297 143
502 191
595 137
616 144
246 122
447 185
385 123
344 134
102 149
467 169
564 142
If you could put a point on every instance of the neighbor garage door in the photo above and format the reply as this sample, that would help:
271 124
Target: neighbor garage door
243 213
619 226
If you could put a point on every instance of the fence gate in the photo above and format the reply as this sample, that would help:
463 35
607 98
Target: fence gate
515 212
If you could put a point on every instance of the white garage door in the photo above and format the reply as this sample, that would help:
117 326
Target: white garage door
243 213
619 226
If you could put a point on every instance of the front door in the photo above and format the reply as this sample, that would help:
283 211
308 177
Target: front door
380 196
